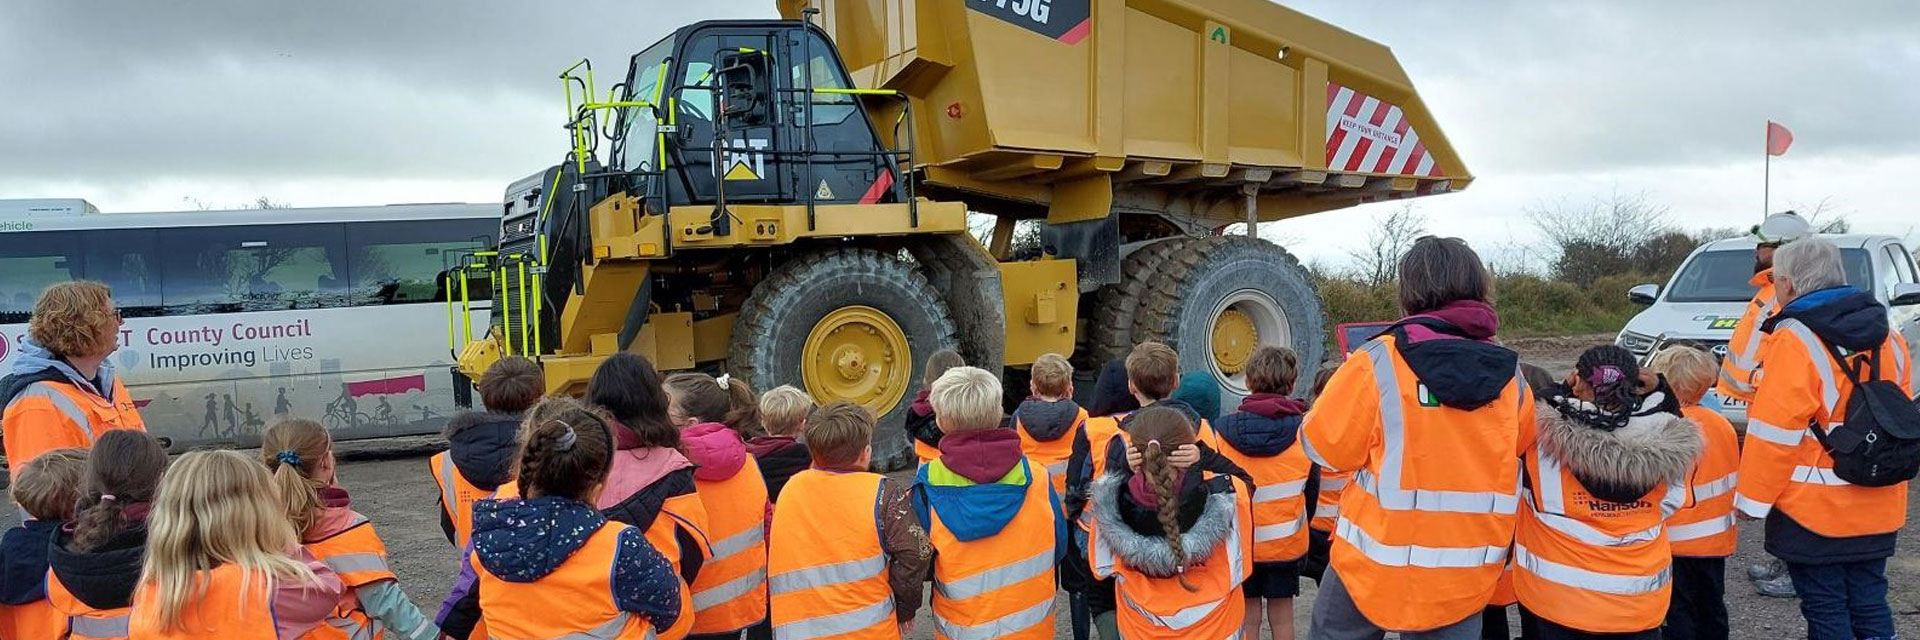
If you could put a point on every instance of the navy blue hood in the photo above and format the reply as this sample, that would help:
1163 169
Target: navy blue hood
483 445
1110 395
23 561
1046 421
1259 434
1844 317
524 540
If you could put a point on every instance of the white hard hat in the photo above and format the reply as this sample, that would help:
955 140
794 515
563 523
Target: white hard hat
1782 228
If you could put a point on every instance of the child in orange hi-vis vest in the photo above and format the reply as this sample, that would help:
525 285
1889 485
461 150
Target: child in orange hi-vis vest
299 454
715 416
1702 534
96 561
919 423
478 462
47 489
1327 486
1262 437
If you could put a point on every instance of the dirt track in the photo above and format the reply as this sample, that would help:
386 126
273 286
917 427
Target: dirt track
390 484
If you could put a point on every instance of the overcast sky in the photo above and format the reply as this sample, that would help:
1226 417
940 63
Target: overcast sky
140 106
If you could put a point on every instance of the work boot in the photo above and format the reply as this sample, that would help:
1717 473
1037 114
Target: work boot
1772 568
1777 587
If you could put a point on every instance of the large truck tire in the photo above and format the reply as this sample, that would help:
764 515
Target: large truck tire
1218 299
848 324
1112 322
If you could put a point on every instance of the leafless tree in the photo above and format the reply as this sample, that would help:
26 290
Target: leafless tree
1599 237
1391 236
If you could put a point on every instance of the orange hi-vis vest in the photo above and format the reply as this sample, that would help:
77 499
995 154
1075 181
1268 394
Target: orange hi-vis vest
1739 371
1000 586
221 610
1052 454
826 566
575 601
1152 608
359 558
926 452
1426 522
1589 564
37 619
731 592
1704 529
457 496
1326 504
1279 502
56 414
1784 467
84 622
685 511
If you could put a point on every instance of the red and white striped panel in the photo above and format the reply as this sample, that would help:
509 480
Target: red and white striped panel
1368 135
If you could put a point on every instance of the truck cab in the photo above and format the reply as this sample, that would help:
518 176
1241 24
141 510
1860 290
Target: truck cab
1704 299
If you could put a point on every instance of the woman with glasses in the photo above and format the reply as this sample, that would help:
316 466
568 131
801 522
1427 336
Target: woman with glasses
61 391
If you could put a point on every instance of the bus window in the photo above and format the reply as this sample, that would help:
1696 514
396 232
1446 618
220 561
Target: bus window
29 263
401 262
124 260
254 268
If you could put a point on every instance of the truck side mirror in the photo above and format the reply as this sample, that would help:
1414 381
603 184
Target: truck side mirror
1643 294
1904 295
745 94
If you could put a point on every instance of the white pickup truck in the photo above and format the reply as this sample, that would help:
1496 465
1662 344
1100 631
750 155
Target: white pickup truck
1706 296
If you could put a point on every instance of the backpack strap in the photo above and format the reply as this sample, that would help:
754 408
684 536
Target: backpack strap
1855 370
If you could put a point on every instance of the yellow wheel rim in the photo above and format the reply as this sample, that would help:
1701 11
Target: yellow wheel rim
860 355
1234 339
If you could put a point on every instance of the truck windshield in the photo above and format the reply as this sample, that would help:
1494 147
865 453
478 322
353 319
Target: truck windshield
638 148
1721 276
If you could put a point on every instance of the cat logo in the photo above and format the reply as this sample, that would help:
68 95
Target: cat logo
751 165
1426 397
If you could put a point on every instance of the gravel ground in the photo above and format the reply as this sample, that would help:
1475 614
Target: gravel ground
389 483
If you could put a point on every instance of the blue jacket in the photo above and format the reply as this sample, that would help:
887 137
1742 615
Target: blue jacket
973 511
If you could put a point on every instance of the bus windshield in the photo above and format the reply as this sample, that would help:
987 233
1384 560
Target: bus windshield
1722 276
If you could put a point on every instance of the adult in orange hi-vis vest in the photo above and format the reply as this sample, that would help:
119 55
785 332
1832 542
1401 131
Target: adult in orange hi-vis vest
1702 534
845 558
1740 370
1432 418
1834 536
1262 438
1179 569
61 391
549 564
1590 556
992 517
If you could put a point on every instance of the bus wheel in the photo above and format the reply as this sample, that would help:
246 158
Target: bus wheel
1116 306
1218 299
850 324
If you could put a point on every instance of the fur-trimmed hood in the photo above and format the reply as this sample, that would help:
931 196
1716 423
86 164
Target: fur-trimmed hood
1624 464
1149 554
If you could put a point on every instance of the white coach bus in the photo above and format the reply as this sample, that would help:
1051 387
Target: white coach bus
235 318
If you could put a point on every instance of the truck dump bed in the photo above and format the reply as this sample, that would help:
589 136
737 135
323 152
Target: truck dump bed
1174 106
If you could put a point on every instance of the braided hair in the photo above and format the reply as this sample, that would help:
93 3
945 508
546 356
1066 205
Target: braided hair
1157 431
566 450
1612 375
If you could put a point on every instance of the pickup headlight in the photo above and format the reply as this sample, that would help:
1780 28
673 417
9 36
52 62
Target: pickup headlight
1637 343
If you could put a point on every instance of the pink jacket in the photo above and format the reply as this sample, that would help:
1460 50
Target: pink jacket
298 608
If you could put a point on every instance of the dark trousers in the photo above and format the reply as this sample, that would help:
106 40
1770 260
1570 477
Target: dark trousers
1844 601
1493 624
1535 627
1699 608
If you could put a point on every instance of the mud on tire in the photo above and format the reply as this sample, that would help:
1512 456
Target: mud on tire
1111 328
770 336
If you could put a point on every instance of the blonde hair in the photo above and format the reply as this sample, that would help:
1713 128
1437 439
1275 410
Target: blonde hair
215 508
70 318
837 434
966 399
292 451
1691 372
49 486
784 408
1052 374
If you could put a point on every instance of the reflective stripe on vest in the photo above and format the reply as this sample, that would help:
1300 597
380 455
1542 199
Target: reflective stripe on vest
1575 577
1783 437
1715 488
827 575
65 405
723 549
1006 625
836 624
101 628
1552 508
356 562
449 496
994 579
1418 556
1386 488
826 562
1057 469
609 631
1743 353
1701 529
1822 362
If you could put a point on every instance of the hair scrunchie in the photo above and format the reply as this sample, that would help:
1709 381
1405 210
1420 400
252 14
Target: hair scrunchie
288 457
566 440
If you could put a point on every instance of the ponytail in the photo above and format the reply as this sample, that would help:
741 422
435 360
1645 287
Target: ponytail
124 468
292 450
1614 376
567 450
1156 430
726 400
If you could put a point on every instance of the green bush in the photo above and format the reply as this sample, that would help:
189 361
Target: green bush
1529 305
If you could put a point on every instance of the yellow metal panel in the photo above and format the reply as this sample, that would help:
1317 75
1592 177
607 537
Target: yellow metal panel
672 340
829 221
1042 303
609 287
568 375
1263 93
712 336
1163 88
1085 199
1215 94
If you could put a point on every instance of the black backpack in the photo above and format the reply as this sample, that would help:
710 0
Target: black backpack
1878 445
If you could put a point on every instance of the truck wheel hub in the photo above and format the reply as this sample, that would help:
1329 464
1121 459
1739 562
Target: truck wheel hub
857 354
1234 339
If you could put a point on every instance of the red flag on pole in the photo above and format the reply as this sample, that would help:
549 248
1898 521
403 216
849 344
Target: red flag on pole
1778 138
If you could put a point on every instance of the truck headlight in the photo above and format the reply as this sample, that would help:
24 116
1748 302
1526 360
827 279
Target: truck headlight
1639 344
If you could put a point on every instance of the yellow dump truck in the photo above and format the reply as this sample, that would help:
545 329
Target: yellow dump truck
789 200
